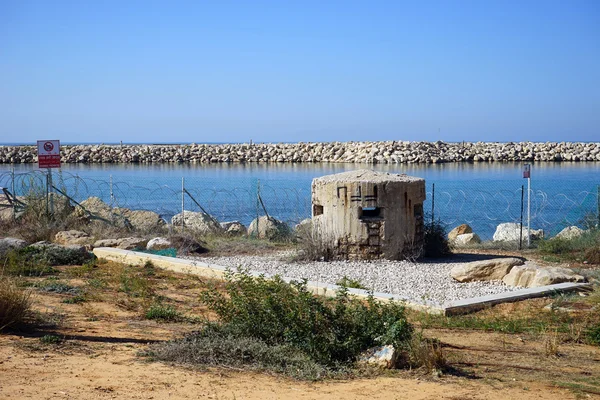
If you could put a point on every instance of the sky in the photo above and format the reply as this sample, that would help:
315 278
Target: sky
291 71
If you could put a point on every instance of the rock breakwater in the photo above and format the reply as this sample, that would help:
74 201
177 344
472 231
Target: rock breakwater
391 152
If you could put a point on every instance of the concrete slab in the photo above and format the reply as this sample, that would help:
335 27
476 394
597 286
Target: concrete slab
477 303
215 271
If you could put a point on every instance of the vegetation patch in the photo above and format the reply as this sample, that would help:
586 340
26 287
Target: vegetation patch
15 303
285 327
164 313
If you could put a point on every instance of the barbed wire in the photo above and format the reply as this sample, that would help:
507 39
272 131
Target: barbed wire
481 204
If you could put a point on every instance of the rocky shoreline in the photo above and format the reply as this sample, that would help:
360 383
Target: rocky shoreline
390 152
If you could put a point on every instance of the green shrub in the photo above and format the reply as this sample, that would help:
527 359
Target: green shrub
15 303
23 262
163 313
328 330
50 339
593 334
350 283
75 299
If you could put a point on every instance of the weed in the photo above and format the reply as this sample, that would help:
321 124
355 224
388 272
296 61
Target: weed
165 313
350 283
593 334
23 262
134 282
50 339
426 353
214 346
15 303
54 286
551 343
75 300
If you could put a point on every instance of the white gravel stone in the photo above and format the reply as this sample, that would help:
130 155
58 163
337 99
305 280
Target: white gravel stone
426 283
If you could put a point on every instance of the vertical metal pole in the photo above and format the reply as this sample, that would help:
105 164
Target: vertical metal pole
12 188
50 191
529 212
521 225
112 194
257 206
182 201
598 207
432 204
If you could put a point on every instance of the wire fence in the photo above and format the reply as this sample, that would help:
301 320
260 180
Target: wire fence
481 204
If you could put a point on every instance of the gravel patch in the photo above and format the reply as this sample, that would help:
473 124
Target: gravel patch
424 283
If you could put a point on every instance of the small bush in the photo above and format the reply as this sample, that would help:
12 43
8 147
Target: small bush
214 346
134 281
163 313
50 339
593 334
426 353
15 303
592 255
436 240
330 331
22 262
350 283
75 300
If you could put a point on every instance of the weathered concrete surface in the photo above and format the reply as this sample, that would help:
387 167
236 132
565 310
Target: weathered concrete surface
479 303
366 214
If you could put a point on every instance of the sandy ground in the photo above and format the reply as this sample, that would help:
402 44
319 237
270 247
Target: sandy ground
98 359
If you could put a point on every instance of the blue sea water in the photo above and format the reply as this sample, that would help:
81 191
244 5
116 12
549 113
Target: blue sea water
481 194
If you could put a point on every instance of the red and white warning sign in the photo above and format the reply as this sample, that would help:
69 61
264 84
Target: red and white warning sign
48 153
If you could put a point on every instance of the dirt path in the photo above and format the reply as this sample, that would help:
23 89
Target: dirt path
97 358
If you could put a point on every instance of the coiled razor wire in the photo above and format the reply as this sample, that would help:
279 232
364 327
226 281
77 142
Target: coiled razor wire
481 204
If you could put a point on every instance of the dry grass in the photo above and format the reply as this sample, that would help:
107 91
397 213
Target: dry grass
15 303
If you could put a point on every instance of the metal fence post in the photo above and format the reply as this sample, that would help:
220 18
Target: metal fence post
521 226
112 194
12 188
257 205
182 202
432 204
598 206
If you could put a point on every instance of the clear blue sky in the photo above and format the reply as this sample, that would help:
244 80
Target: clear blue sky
225 71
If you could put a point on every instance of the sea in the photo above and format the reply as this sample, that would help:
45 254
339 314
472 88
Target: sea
482 194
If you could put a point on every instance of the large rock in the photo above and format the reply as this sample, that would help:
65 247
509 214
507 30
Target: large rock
9 243
159 243
534 276
459 230
466 239
268 228
234 228
106 243
142 220
132 243
72 237
381 356
569 233
128 243
93 208
509 232
199 222
485 270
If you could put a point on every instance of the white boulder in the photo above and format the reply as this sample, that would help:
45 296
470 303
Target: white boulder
199 222
510 232
569 233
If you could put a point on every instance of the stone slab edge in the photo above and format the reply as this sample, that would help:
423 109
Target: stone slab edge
477 303
214 271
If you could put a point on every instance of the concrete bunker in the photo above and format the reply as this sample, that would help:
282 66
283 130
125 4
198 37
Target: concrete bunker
366 214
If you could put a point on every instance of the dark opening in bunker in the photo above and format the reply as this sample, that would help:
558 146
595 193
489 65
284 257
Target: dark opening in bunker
370 213
317 210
